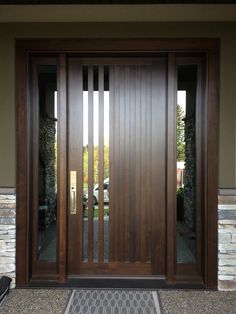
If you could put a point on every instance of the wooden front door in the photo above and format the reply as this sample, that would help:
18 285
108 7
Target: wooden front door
115 180
116 166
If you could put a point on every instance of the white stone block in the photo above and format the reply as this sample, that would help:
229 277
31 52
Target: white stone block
233 238
6 268
7 236
7 227
7 201
224 238
7 260
10 254
227 207
3 232
227 270
11 249
11 245
3 246
229 228
12 231
227 247
7 197
10 240
227 261
225 277
227 222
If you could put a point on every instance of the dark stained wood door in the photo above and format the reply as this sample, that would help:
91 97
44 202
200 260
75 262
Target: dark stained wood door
117 135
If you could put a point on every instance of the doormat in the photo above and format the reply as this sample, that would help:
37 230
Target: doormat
113 302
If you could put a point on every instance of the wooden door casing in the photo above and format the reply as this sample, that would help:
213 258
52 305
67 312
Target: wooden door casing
25 49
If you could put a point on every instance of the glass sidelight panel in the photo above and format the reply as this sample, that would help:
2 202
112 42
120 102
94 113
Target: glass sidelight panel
47 162
95 163
186 163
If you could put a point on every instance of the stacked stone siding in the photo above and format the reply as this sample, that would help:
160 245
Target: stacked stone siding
226 237
227 241
7 233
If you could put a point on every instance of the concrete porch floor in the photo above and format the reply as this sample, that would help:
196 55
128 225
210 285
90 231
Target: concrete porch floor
54 301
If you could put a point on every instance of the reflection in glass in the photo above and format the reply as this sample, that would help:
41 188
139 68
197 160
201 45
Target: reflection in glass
47 163
186 164
96 170
106 175
85 163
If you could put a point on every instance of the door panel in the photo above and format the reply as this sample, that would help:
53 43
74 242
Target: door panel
75 160
127 235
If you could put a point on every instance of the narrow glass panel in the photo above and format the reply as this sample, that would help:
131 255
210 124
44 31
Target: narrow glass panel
106 165
96 171
186 164
96 148
85 163
47 163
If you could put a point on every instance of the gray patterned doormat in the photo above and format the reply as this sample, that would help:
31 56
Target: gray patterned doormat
113 302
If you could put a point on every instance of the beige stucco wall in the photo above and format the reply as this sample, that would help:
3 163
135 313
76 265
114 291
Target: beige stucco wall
225 31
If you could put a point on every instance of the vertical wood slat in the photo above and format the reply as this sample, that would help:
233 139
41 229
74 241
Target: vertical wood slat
34 164
199 166
143 208
90 164
111 162
116 179
62 166
138 159
171 169
75 162
158 155
80 163
132 162
22 169
121 173
212 166
101 166
148 100
126 163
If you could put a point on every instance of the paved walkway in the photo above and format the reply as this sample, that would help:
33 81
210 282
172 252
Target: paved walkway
53 301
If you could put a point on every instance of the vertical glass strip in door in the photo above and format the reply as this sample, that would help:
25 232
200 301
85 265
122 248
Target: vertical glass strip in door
105 185
95 163
85 164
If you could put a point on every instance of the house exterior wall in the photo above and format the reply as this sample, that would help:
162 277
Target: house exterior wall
225 31
227 168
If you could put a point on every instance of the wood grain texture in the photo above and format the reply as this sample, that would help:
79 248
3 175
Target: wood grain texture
23 267
75 161
212 149
90 164
139 141
62 166
171 169
111 165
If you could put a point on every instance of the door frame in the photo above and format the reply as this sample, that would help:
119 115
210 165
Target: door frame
117 47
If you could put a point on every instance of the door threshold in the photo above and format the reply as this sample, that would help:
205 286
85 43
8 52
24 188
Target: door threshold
115 283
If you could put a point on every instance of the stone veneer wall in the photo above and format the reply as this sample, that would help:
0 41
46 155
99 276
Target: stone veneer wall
8 233
227 239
